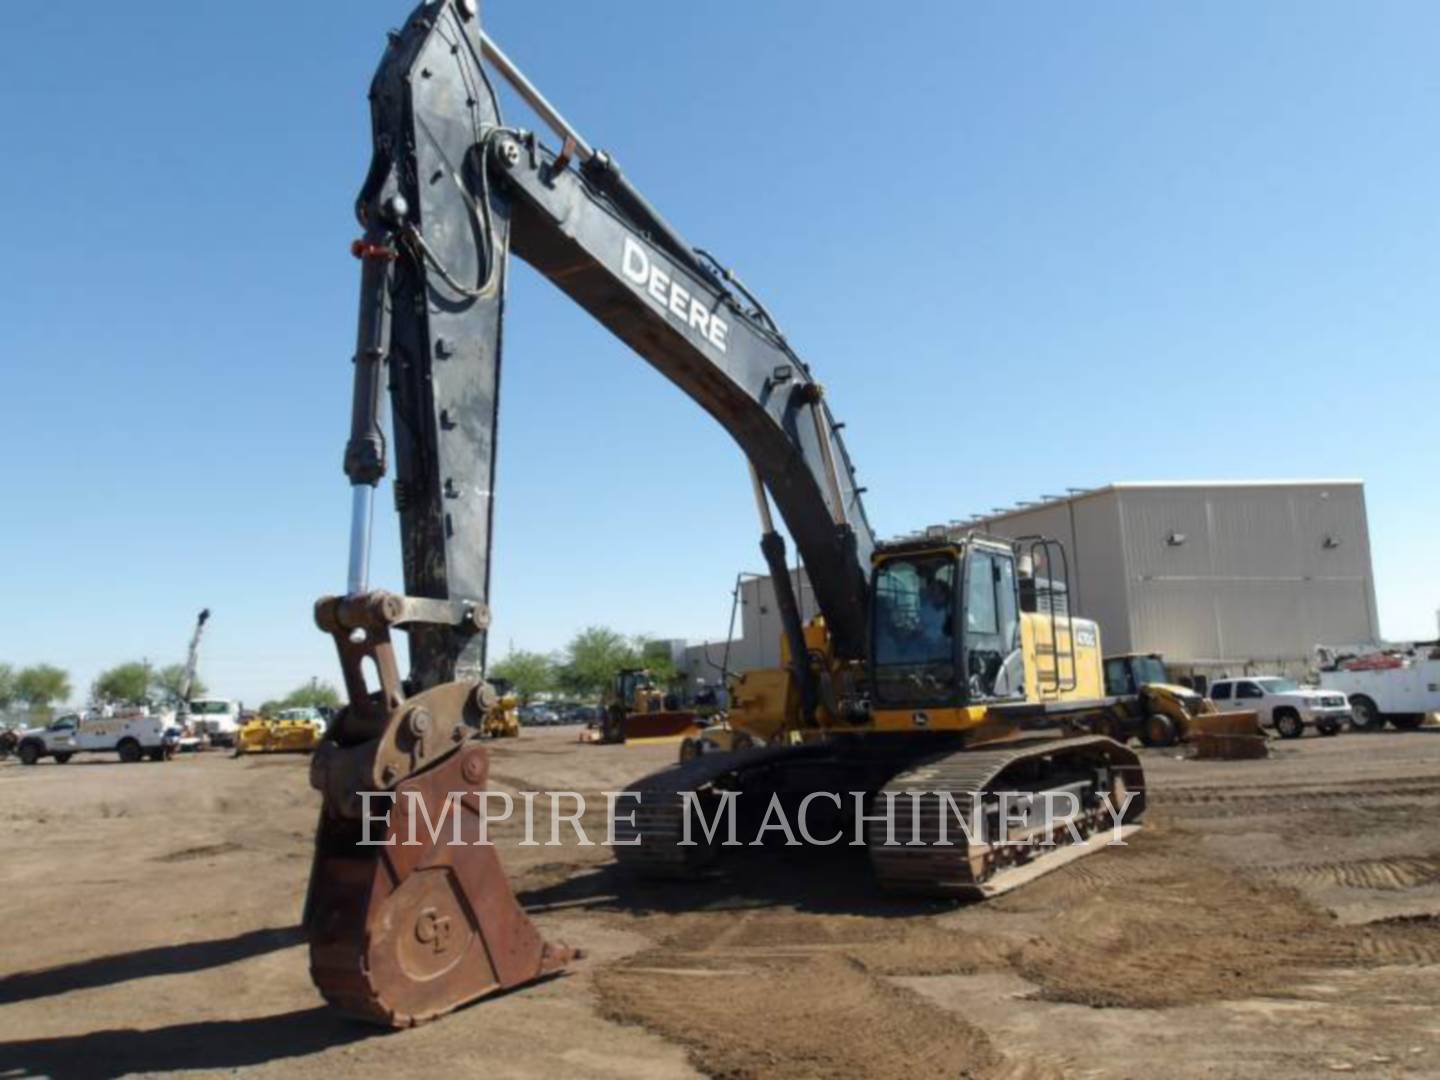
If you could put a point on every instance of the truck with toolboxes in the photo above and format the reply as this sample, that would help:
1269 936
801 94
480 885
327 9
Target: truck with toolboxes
1394 684
133 734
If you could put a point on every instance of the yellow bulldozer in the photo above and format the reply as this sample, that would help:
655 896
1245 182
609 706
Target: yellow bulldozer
636 709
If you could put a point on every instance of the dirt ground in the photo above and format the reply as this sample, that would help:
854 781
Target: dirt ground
1275 919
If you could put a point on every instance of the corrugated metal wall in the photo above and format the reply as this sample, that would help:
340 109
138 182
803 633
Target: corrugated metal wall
1220 575
1229 575
1098 556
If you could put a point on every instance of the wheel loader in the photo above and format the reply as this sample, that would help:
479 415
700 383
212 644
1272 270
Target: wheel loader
1148 706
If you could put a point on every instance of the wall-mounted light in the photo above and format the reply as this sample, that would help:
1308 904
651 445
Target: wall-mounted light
1331 542
1175 539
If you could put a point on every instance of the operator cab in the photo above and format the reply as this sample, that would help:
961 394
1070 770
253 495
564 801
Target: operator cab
945 622
1128 674
631 683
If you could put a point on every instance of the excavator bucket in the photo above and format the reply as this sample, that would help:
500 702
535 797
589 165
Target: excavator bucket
409 914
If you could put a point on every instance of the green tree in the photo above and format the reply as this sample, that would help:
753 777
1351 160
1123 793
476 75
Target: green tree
7 687
169 682
530 673
41 685
592 658
655 657
124 684
314 695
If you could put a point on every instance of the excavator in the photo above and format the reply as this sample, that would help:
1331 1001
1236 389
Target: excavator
937 667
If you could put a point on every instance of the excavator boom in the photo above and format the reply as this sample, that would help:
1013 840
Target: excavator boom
398 936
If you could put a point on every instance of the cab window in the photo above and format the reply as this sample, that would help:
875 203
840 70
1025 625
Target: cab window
1117 678
913 631
981 612
1248 690
1220 691
992 618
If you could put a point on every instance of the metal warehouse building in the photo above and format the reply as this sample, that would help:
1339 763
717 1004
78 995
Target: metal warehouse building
1217 576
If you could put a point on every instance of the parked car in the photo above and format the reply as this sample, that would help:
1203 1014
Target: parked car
132 737
580 714
1284 704
537 716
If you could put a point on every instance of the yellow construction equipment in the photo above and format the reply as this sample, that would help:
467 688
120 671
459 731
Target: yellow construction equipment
1146 705
502 719
636 710
295 731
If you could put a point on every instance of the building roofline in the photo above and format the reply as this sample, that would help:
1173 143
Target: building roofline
1333 482
1077 494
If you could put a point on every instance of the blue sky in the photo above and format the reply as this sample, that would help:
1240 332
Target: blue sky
1024 246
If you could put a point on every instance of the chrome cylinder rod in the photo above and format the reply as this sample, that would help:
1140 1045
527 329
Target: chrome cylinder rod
762 501
533 97
362 503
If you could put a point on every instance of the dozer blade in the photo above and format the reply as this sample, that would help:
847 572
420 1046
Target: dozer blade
403 932
660 727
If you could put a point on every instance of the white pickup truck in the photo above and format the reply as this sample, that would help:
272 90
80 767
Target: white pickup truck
133 737
1283 704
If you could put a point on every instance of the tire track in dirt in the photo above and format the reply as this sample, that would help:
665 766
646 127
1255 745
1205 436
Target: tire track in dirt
828 1007
1411 940
1393 874
1177 928
820 1015
1204 802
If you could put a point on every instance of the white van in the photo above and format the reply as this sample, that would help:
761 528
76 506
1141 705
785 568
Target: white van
215 718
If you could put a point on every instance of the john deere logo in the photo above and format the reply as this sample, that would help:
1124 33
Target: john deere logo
921 719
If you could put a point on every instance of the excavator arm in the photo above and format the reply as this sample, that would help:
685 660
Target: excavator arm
450 190
402 927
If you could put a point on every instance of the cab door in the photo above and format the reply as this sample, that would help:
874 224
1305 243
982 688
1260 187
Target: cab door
61 734
991 619
1249 695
